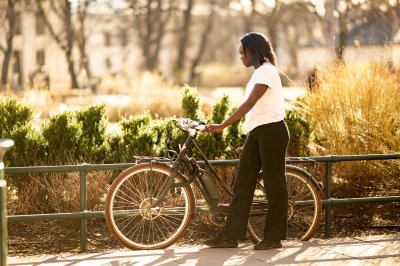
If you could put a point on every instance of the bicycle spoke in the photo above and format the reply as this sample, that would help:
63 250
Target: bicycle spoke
303 213
134 220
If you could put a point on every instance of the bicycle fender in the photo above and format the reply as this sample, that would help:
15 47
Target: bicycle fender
319 185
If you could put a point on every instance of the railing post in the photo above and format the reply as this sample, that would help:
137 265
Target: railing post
5 145
3 222
83 208
328 207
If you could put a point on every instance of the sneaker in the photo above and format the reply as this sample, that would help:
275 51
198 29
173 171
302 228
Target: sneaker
222 241
268 244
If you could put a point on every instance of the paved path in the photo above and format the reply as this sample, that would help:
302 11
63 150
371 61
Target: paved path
372 250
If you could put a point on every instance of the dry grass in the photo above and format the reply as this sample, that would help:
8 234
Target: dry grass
356 111
57 193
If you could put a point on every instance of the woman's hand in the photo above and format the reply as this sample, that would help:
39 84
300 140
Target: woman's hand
214 128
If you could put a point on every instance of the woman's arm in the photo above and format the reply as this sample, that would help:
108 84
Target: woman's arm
257 92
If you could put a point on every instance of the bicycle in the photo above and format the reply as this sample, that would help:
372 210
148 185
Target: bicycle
151 204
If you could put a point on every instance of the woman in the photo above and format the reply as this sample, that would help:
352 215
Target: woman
265 148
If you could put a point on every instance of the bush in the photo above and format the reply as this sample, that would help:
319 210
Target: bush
77 137
191 104
145 135
13 115
356 111
62 134
300 133
15 119
213 145
92 144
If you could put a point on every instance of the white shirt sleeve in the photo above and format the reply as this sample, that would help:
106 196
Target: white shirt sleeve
261 76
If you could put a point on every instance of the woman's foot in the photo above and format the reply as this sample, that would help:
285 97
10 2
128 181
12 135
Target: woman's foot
268 244
222 241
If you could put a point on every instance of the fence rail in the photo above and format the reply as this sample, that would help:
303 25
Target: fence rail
83 169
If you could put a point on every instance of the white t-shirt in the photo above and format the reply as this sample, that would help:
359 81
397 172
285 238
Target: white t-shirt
270 107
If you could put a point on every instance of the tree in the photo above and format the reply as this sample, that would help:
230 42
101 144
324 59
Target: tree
80 35
203 43
64 36
295 32
183 41
248 15
344 15
150 19
8 17
263 15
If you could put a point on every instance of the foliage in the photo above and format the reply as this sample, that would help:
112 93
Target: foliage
356 111
15 119
191 104
13 114
62 134
92 144
136 136
80 136
213 145
366 120
300 133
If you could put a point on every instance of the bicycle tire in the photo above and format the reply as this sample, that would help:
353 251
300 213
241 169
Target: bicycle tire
304 210
132 220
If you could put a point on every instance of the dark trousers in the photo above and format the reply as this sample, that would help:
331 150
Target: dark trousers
265 148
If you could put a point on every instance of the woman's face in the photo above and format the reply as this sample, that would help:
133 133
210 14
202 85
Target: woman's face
246 57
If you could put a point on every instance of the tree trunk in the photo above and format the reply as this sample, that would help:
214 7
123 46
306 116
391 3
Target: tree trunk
183 42
272 25
9 49
65 44
70 44
248 19
293 44
147 35
341 42
156 22
203 45
81 38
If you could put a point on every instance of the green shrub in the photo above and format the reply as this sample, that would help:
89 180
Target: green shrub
13 114
214 144
15 119
137 136
94 123
92 145
235 136
62 134
300 133
191 104
116 150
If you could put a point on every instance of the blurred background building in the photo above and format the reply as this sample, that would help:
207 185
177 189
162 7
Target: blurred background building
64 44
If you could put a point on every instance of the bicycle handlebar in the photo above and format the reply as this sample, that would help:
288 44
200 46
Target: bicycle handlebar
190 125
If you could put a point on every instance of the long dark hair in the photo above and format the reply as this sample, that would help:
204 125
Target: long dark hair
260 47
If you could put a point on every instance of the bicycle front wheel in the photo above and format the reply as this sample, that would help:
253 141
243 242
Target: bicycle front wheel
304 209
132 219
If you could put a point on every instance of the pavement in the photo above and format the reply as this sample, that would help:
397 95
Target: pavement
369 250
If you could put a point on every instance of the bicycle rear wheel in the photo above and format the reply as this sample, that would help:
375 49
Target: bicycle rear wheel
304 210
129 213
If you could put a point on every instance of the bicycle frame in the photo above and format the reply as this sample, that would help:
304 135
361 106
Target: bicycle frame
195 171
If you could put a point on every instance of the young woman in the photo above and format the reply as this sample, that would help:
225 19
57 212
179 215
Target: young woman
265 148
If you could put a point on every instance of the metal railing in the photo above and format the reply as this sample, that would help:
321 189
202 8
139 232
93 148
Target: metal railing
85 214
5 145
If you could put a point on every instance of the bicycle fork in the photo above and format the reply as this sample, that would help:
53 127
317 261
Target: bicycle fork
169 183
